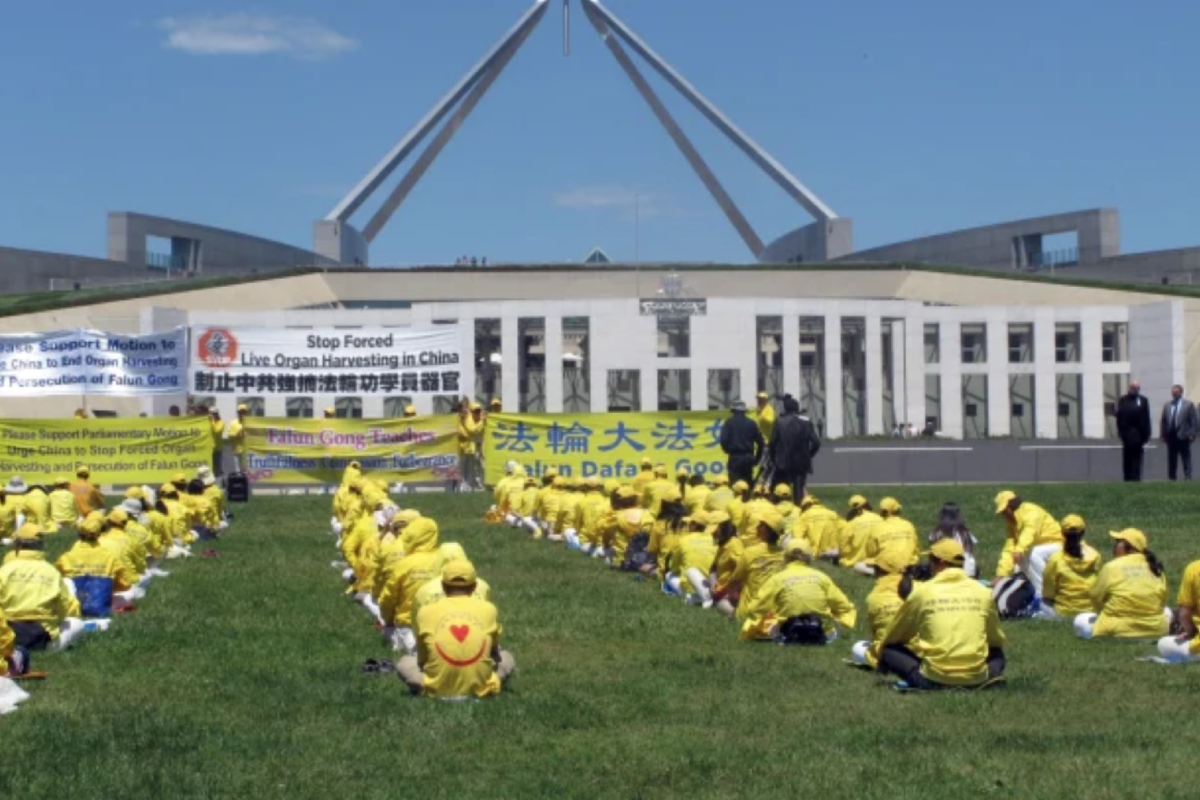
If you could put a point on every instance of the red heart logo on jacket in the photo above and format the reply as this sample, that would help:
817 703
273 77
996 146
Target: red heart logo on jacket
460 632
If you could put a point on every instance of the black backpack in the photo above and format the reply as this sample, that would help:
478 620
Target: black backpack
636 554
1015 597
803 629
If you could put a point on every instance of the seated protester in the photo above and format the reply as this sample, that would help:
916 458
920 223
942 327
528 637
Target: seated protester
737 507
645 476
721 495
781 496
760 560
37 509
568 511
202 514
212 491
592 508
726 586
1129 595
137 528
35 598
691 561
368 559
163 525
9 510
1070 574
87 496
651 497
821 527
951 524
895 537
746 516
62 502
12 660
353 546
798 604
507 490
947 633
524 504
545 508
696 495
892 587
432 591
683 477
627 523
1185 647
15 491
392 548
1033 535
668 526
347 500
411 572
861 519
99 581
123 547
458 654
177 512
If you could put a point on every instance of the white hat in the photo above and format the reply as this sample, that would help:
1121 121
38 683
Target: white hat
203 470
510 468
133 506
149 494
207 479
16 486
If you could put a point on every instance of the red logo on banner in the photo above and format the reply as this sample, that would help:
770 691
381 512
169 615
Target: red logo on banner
217 347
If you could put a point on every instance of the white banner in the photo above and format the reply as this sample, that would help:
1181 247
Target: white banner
83 362
309 361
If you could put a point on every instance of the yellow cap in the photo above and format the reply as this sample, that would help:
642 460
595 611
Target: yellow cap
763 396
741 487
891 505
576 482
29 532
1131 536
476 407
459 573
809 501
530 480
771 518
550 473
683 472
559 482
948 550
1073 522
82 471
118 516
660 470
783 491
647 463
167 489
857 501
330 411
410 411
92 526
671 495
243 407
356 464
890 561
61 480
496 404
720 480
404 517
715 520
626 493
1002 500
798 545
593 482
179 477
135 492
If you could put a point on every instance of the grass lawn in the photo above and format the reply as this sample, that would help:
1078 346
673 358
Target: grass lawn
238 678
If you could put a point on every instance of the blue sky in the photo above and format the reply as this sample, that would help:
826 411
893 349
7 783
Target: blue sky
912 118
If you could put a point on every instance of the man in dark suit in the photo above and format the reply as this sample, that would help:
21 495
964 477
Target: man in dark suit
1133 426
794 443
743 442
1178 428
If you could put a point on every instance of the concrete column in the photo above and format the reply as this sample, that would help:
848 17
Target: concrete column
1156 353
835 423
1092 361
466 349
999 411
874 373
509 378
791 352
554 364
950 346
914 370
899 368
1045 388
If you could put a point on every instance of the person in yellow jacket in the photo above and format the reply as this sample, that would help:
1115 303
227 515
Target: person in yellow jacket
514 476
433 591
669 524
159 522
895 535
235 434
177 513
410 574
1033 535
138 528
690 563
525 504
12 661
645 475
760 560
35 597
1129 595
355 549
652 492
14 493
568 512
124 547
470 426
726 588
37 509
626 520
861 520
1185 648
393 546
696 495
1070 574
213 493
947 633
458 653
883 603
218 434
88 558
765 417
595 506
781 496
748 514
545 510
10 515
820 526
87 496
62 502
797 598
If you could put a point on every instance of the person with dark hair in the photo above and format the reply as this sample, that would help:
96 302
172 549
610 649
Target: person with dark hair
1070 574
951 524
793 445
1133 427
697 493
760 560
742 443
669 524
691 561
1129 595
726 586
947 633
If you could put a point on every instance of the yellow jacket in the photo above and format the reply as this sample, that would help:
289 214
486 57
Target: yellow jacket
143 540
433 591
161 530
62 506
894 534
852 544
1067 582
695 498
356 551
87 497
124 549
8 643
387 558
663 538
32 590
8 517
568 510
797 589
619 527
591 511
217 498
758 563
695 550
765 418
747 519
455 643
949 622
37 511
718 499
412 572
235 434
1129 599
883 603
726 566
1189 597
640 480
546 507
91 558
821 527
1030 526
652 492
468 430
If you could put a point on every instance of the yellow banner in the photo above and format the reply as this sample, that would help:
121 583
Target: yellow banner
604 445
317 450
117 451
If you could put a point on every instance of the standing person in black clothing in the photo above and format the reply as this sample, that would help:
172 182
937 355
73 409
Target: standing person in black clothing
742 441
1133 426
794 443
